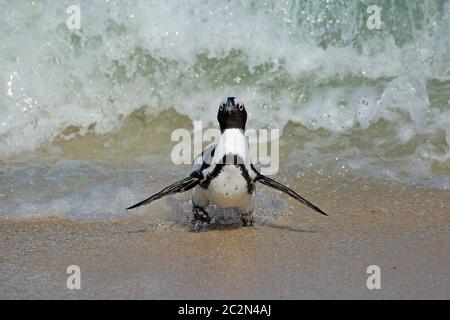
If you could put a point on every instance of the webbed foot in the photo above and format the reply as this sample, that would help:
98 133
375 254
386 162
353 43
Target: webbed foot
200 214
247 219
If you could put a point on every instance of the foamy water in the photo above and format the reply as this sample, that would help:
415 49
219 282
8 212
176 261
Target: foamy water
369 102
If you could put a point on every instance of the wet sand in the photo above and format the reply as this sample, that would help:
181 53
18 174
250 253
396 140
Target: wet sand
296 255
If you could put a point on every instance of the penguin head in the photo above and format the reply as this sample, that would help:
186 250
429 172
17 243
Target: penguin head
231 114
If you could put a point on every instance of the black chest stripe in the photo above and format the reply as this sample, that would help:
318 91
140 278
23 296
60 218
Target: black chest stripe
213 174
238 162
207 163
250 183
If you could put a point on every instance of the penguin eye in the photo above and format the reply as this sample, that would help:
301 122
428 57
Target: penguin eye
241 106
221 107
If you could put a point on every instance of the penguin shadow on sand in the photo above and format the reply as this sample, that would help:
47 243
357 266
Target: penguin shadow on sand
267 212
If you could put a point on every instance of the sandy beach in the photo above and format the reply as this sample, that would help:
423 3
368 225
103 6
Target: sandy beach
296 254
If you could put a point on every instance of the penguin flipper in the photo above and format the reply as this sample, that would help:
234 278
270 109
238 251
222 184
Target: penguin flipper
180 186
276 185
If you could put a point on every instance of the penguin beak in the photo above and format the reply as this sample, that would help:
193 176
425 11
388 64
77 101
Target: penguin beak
229 108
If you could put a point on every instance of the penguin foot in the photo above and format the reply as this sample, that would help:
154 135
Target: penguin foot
247 219
200 214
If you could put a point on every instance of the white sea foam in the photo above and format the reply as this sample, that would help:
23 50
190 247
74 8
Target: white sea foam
308 62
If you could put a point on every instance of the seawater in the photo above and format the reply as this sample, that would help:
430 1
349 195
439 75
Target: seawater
83 113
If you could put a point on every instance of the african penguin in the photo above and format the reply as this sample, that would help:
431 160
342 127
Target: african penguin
223 173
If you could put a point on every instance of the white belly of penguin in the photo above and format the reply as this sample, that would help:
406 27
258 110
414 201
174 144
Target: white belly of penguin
229 188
